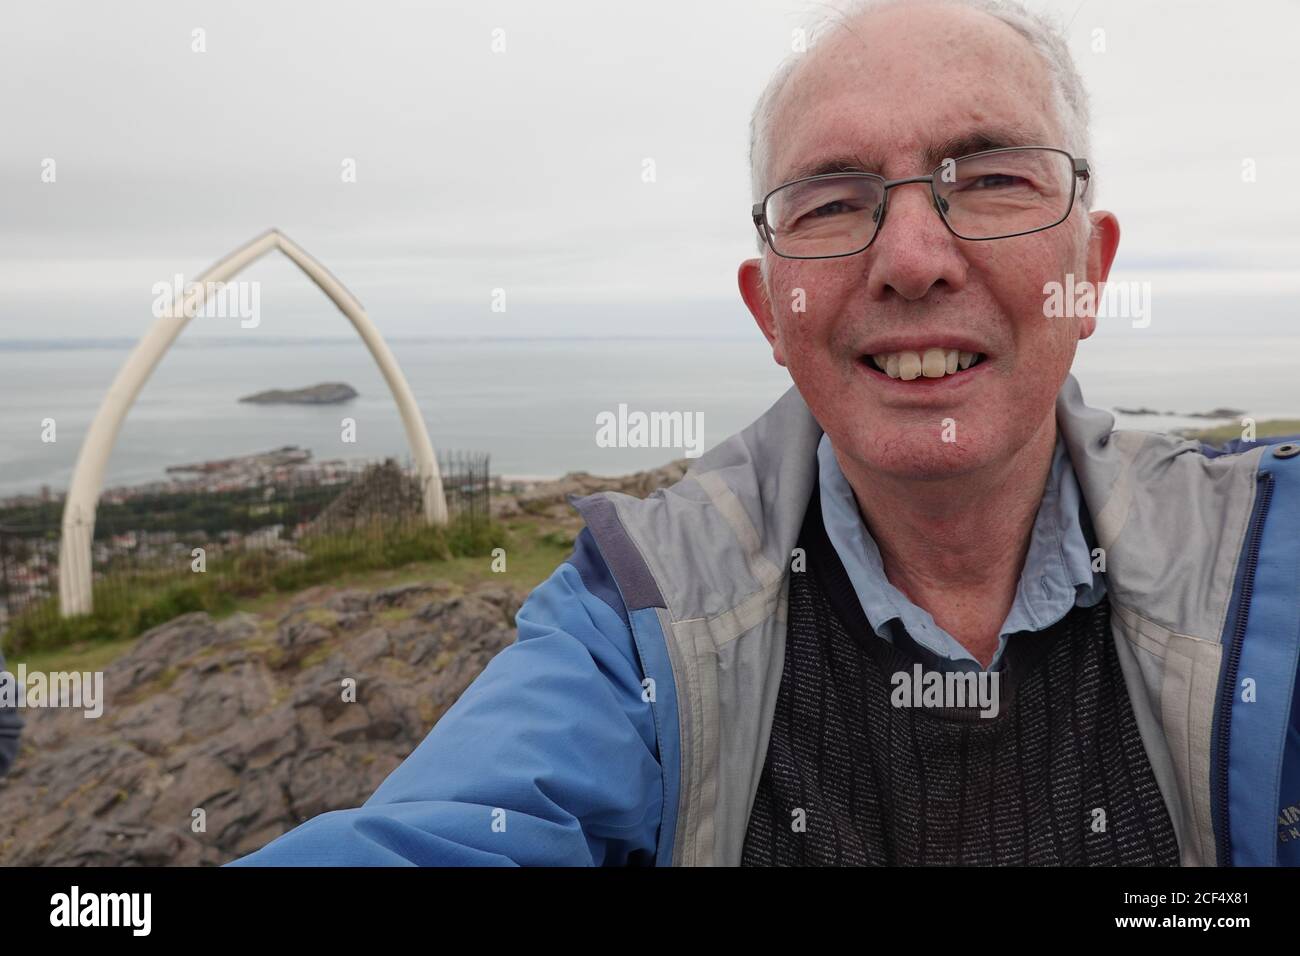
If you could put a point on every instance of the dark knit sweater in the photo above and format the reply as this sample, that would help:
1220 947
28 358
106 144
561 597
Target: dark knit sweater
1058 777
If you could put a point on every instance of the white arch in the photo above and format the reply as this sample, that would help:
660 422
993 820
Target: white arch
75 579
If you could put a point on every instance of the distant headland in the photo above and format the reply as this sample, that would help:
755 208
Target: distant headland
1212 413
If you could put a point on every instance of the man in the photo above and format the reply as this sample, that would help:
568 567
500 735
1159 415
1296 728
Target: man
774 661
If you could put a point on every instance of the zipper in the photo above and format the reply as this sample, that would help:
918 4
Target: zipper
1228 690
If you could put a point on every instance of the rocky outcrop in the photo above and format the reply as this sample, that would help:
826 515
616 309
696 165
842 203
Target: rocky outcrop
247 721
549 499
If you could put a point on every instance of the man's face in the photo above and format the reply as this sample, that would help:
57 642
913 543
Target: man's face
885 96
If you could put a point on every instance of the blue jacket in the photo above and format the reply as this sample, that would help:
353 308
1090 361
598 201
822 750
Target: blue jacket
628 723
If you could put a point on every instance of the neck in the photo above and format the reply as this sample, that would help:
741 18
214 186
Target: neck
956 546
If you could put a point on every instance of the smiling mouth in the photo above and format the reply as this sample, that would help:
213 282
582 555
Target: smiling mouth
926 363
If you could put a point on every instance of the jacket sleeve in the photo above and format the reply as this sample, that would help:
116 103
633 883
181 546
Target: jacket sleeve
548 758
11 726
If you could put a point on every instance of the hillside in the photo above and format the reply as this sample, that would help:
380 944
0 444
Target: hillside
244 718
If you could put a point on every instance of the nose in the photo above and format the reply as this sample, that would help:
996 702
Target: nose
913 252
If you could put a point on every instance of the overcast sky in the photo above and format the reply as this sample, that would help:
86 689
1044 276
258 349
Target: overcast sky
522 169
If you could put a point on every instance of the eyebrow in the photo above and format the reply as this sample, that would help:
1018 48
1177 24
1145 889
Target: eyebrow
953 147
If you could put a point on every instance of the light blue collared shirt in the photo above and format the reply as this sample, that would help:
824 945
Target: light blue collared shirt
1056 577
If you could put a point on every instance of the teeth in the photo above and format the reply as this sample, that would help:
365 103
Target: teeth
934 364
909 366
931 363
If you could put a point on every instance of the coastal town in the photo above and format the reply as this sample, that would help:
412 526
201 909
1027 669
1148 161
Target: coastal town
142 525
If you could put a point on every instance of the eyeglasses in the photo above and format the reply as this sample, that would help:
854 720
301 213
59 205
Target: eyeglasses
993 194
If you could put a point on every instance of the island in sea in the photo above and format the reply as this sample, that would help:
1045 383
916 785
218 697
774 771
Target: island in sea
326 393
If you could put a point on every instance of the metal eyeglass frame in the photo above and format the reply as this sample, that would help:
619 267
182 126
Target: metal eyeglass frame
1081 171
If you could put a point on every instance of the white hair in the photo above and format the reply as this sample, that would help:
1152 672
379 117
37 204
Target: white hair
1069 97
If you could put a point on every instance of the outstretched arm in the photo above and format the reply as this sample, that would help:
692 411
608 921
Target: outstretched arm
548 758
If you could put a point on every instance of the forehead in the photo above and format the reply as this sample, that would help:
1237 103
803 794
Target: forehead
889 89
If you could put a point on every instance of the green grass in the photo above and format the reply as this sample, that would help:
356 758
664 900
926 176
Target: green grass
84 656
128 604
124 607
533 550
1266 429
532 553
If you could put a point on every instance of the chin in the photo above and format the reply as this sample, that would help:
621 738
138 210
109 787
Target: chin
920 454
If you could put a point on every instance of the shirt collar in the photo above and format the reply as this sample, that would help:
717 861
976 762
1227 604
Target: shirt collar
1056 576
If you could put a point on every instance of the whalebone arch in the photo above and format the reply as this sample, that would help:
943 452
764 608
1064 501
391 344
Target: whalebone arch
75 571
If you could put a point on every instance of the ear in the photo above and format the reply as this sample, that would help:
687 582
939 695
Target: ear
754 291
1103 243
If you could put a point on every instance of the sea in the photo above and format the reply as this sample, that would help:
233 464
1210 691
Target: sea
531 404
